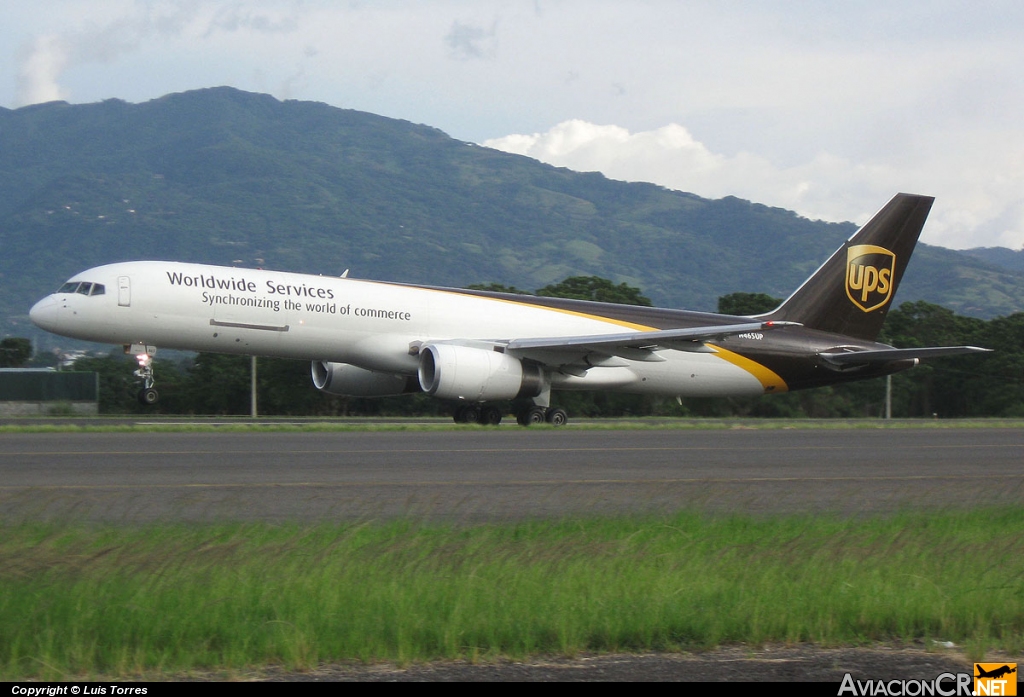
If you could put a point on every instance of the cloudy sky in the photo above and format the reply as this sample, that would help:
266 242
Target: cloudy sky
825 108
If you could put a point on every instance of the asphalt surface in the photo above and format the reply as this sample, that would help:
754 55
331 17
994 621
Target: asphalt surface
501 474
509 474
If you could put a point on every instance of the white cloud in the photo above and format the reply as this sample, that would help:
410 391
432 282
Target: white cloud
237 17
826 186
39 72
468 41
672 157
118 31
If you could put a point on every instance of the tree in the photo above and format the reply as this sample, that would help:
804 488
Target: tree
597 289
747 303
14 352
219 384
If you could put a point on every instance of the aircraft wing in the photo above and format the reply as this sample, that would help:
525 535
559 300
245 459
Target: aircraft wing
666 338
894 354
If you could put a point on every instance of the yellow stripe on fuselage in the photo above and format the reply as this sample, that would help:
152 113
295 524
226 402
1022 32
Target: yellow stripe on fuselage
768 378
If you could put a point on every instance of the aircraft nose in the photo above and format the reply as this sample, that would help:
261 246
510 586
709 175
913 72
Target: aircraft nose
44 313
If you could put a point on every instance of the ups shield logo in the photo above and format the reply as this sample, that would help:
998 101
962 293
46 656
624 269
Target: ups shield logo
869 271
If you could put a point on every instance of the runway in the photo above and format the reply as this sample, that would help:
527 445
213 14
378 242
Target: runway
498 474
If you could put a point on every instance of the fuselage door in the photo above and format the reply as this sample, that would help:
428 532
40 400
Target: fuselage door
124 291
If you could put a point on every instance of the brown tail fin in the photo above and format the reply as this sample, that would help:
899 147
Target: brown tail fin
852 292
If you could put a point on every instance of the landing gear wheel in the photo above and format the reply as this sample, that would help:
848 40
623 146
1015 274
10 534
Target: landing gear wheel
557 417
490 416
467 414
147 395
531 416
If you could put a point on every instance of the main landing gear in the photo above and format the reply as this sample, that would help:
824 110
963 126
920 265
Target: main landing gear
490 415
148 396
485 414
539 415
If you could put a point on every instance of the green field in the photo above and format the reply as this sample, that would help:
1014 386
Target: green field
81 600
122 424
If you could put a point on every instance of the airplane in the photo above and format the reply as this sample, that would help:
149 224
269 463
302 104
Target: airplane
995 672
479 348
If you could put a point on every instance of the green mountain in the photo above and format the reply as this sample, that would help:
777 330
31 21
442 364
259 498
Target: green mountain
228 177
1000 256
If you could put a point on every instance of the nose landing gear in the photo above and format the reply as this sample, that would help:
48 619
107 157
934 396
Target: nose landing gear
148 396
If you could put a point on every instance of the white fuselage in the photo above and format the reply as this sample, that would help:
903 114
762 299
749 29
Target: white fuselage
374 325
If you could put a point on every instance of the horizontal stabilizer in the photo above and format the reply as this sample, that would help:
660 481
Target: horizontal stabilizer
646 340
894 354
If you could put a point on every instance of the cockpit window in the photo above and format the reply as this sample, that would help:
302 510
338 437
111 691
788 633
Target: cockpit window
83 288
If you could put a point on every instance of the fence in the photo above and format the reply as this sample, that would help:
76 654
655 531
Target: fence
27 391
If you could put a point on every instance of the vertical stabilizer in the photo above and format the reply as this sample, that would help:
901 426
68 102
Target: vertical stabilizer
852 292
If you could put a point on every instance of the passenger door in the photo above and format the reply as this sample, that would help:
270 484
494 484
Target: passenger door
124 291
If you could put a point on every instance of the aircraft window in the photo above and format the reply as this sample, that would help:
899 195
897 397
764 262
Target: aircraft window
69 287
84 288
98 289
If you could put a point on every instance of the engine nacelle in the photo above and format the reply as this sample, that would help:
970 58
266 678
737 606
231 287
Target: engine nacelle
353 381
476 375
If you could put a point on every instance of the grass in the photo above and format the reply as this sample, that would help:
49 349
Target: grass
86 600
302 425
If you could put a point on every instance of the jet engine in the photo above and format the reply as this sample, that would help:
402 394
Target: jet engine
353 381
475 374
